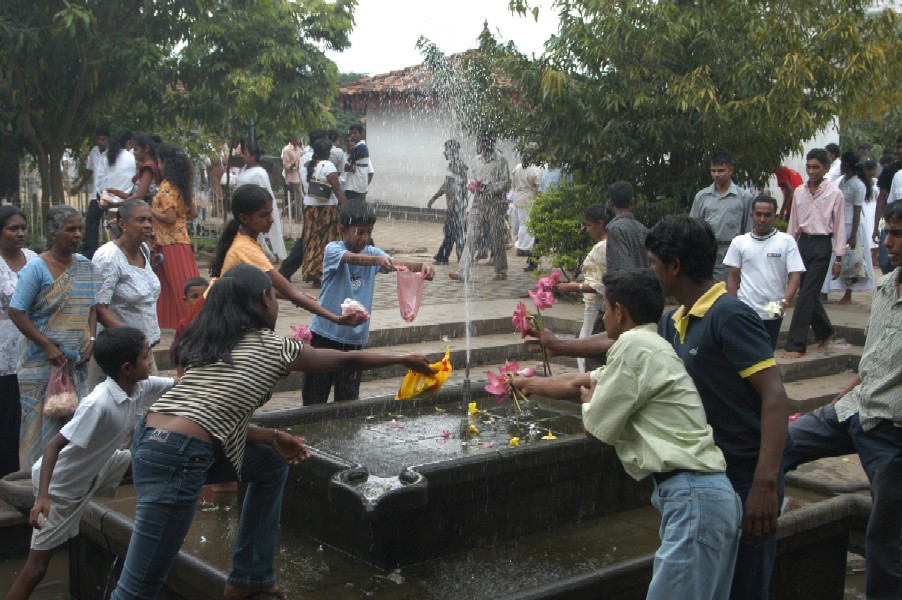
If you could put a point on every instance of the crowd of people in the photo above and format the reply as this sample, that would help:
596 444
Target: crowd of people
692 398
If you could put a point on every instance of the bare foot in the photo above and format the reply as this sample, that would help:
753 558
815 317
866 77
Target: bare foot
234 592
793 355
846 299
454 276
824 344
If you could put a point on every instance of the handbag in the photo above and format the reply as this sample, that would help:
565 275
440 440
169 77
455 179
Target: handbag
317 188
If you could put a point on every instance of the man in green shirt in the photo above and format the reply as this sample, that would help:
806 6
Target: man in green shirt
644 403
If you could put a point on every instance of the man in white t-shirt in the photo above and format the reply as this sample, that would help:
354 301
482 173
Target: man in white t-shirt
765 267
95 167
358 170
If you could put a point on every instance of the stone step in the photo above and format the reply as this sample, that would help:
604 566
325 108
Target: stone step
808 394
816 363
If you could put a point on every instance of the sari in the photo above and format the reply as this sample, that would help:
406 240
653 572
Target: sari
60 310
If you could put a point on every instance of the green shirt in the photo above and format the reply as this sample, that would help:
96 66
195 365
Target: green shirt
646 406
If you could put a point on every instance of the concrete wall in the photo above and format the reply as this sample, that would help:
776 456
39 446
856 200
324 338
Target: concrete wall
406 149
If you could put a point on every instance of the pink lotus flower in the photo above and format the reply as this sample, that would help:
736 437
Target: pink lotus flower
527 372
497 386
475 186
795 416
510 367
522 321
542 299
302 333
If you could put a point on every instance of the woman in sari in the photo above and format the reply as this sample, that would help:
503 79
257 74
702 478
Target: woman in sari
173 207
324 196
53 307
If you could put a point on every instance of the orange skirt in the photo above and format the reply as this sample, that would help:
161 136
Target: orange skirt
178 267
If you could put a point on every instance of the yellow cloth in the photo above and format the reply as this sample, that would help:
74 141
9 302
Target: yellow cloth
647 407
417 384
246 250
699 309
168 196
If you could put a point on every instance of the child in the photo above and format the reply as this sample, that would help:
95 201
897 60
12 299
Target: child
194 289
644 403
596 218
349 271
83 459
238 245
199 432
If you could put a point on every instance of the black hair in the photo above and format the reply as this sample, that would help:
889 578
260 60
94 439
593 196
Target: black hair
102 130
356 127
864 146
117 145
356 213
832 148
178 172
146 141
246 200
117 346
254 151
639 291
318 134
332 135
690 240
766 199
621 194
721 157
7 211
194 282
852 161
127 208
321 149
820 155
870 164
599 212
893 212
231 309
166 151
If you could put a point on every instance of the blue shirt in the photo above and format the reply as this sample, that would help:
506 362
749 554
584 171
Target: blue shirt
341 281
722 342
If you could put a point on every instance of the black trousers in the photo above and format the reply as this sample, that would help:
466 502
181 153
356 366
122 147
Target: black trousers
817 256
316 386
92 229
10 422
293 261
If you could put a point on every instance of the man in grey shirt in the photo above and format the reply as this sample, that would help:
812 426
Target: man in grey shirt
724 206
626 235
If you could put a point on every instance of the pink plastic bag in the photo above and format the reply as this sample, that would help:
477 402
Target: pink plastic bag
60 399
410 293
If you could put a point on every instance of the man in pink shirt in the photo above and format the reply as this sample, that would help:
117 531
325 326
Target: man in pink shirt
817 221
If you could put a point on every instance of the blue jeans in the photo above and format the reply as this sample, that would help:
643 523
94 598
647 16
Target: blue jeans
700 517
169 470
820 434
754 562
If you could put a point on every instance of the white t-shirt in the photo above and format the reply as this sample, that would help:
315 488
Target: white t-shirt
359 179
853 191
99 426
9 333
895 190
97 164
321 171
119 175
765 265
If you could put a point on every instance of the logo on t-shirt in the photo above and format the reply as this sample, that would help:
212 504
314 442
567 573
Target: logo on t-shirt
774 255
356 282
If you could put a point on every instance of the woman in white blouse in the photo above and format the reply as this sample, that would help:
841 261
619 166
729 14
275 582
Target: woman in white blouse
129 288
253 173
13 233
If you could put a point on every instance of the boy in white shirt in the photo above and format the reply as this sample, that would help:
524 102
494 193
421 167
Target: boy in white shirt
765 266
84 459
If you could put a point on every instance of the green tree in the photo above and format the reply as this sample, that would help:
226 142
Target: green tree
645 90
163 65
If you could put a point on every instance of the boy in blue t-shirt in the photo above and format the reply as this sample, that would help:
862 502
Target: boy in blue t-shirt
349 271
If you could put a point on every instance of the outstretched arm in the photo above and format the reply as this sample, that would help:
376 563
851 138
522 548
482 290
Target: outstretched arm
321 360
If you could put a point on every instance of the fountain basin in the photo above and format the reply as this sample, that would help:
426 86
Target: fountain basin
402 482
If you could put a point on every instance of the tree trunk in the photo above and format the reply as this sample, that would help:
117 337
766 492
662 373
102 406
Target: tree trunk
44 172
9 173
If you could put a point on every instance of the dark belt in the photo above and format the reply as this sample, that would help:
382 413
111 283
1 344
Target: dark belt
662 477
815 236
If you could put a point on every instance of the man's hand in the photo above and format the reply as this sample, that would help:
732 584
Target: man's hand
546 338
759 519
586 393
837 269
427 271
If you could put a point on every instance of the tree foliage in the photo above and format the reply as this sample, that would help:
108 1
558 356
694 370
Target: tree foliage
645 90
153 65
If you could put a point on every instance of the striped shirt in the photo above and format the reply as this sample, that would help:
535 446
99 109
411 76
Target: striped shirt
221 397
